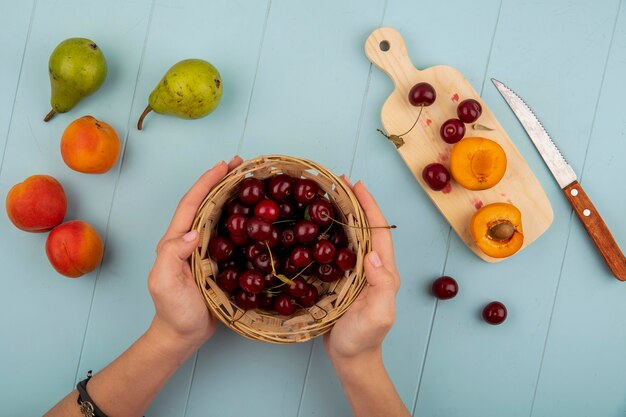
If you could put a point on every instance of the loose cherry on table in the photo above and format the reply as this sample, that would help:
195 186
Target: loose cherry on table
469 110
445 287
452 131
436 176
494 313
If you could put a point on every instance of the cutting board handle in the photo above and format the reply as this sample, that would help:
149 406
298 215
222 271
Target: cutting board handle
385 48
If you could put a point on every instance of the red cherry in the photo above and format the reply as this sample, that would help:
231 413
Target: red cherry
287 238
327 272
252 281
310 296
300 257
306 190
324 251
239 240
236 224
254 249
274 238
345 259
339 238
284 305
306 231
228 279
321 212
267 209
269 279
298 288
280 187
422 94
263 262
445 287
259 229
251 191
494 313
288 267
287 210
452 131
237 207
221 248
469 110
266 301
246 300
436 176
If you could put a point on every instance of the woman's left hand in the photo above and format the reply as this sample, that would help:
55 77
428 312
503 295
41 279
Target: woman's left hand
182 317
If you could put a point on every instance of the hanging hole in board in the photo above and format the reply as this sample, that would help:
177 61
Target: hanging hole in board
384 46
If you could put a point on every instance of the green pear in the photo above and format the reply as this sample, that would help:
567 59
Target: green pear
191 89
77 68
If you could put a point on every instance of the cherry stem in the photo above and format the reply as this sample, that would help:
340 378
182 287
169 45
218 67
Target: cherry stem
283 221
418 117
281 277
325 214
303 269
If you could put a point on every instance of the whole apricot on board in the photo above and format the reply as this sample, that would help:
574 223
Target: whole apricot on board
37 204
477 163
497 229
90 146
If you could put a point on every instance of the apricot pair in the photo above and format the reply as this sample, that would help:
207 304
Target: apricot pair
39 204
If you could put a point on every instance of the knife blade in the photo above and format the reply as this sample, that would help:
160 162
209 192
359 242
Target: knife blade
568 182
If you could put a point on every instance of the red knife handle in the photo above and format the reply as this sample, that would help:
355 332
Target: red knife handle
597 229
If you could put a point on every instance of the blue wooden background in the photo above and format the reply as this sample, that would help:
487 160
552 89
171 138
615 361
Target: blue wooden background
296 81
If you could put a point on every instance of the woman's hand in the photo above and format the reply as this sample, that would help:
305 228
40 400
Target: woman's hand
182 319
359 333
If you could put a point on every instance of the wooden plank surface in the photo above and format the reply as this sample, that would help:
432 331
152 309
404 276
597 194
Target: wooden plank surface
297 82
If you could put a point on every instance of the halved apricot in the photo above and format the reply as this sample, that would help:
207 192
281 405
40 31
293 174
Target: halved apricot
477 163
497 229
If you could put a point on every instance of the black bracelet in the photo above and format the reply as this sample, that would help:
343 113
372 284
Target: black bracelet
87 406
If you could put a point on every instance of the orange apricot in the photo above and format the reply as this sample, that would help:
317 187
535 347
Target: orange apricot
90 146
477 163
74 248
497 229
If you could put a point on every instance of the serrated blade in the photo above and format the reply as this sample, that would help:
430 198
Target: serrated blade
559 167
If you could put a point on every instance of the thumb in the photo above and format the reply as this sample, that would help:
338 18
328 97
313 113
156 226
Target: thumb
177 250
377 275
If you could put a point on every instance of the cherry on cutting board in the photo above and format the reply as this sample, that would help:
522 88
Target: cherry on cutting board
494 313
422 94
445 288
436 176
469 110
452 131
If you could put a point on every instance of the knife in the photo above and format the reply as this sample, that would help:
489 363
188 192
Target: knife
567 180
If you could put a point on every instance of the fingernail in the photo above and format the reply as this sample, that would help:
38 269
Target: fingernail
190 236
375 259
233 159
218 164
346 179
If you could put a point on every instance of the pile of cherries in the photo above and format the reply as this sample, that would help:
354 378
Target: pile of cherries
436 175
278 244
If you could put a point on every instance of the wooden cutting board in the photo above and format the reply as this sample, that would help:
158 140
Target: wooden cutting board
385 48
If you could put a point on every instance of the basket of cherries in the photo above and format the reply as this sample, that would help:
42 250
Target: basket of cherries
282 245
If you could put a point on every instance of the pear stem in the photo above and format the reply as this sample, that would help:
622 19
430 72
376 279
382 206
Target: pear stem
49 115
143 115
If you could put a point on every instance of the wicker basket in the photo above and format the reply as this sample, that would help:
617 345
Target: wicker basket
335 297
